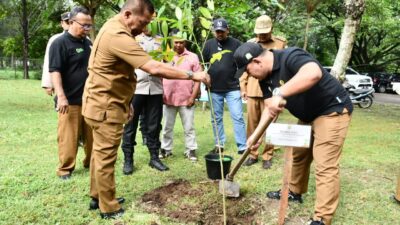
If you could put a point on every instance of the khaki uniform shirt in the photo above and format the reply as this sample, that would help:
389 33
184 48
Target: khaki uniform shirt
111 82
250 84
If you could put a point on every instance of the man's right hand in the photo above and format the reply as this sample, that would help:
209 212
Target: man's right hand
62 105
203 77
49 91
243 94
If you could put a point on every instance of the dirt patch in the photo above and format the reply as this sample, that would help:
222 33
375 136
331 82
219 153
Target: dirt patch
199 203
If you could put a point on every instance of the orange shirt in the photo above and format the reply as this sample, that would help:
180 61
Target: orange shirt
111 82
250 84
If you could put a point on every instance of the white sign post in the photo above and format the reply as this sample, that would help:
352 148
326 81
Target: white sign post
289 136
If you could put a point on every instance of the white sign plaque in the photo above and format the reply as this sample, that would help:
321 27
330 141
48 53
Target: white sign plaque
290 135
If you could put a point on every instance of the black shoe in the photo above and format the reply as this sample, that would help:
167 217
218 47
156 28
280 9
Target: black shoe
128 167
267 164
250 161
157 164
316 222
291 197
94 203
395 199
241 152
112 215
191 155
65 177
164 154
215 150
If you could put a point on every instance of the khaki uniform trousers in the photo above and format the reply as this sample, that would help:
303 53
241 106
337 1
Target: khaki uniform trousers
398 189
106 140
329 133
71 125
255 107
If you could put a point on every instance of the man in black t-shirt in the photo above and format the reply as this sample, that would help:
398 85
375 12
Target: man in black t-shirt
315 98
224 85
69 56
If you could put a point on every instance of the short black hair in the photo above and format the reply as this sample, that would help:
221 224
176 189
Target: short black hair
139 6
76 10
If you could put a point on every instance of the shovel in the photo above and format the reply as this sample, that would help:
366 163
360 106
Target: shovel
231 188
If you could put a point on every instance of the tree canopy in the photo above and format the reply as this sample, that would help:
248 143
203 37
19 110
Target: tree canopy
376 46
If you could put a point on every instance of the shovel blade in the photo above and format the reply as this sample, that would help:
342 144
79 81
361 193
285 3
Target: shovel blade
231 188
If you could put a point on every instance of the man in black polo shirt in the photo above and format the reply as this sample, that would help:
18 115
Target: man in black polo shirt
315 98
224 85
69 55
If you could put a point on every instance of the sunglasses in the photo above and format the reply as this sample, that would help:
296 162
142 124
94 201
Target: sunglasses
84 26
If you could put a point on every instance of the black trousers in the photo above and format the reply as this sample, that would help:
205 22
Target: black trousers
151 107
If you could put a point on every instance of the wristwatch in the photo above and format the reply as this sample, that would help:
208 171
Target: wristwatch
277 92
190 75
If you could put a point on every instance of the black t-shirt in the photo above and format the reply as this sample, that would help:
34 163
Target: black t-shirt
69 56
222 72
325 97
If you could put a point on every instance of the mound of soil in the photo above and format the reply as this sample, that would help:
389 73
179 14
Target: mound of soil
200 204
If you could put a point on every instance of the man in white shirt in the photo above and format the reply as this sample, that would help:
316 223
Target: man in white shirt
46 79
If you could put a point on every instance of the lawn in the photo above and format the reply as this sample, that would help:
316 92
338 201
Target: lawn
31 193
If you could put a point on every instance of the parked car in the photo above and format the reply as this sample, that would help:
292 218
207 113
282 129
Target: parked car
382 81
354 78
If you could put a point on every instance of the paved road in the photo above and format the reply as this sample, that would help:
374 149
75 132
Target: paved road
387 98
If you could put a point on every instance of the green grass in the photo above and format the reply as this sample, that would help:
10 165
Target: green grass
31 193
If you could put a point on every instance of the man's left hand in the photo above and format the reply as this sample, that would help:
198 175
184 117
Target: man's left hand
131 112
191 102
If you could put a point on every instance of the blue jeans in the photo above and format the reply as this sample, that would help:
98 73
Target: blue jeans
234 102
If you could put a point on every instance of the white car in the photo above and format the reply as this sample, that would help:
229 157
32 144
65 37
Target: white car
354 78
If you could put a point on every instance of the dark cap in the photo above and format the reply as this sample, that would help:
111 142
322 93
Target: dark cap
220 24
244 54
65 16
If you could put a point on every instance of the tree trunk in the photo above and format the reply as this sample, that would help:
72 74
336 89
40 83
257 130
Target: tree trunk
92 12
306 33
26 39
354 11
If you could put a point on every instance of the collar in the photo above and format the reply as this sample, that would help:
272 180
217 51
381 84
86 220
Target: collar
277 56
185 52
120 26
71 37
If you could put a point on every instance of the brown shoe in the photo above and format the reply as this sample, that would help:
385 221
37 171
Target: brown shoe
250 161
267 164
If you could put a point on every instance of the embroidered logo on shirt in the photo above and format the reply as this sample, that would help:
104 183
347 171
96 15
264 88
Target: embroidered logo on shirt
79 50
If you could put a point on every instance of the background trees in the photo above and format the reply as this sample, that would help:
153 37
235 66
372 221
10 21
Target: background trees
376 46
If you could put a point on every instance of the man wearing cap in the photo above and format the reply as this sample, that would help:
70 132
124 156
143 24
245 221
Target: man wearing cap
250 89
46 79
224 85
316 98
109 90
68 61
179 97
148 101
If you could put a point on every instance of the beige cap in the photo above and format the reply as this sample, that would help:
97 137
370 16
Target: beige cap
263 25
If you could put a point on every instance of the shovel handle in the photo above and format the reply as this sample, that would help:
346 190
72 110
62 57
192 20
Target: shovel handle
257 136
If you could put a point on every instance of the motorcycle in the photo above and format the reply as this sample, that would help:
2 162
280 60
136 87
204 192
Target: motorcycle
361 97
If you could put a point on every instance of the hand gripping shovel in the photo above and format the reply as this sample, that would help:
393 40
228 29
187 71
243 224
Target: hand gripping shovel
227 186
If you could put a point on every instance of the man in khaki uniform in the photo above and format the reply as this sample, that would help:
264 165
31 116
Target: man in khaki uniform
250 88
109 89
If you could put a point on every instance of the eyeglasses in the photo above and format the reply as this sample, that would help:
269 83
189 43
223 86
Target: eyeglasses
84 26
